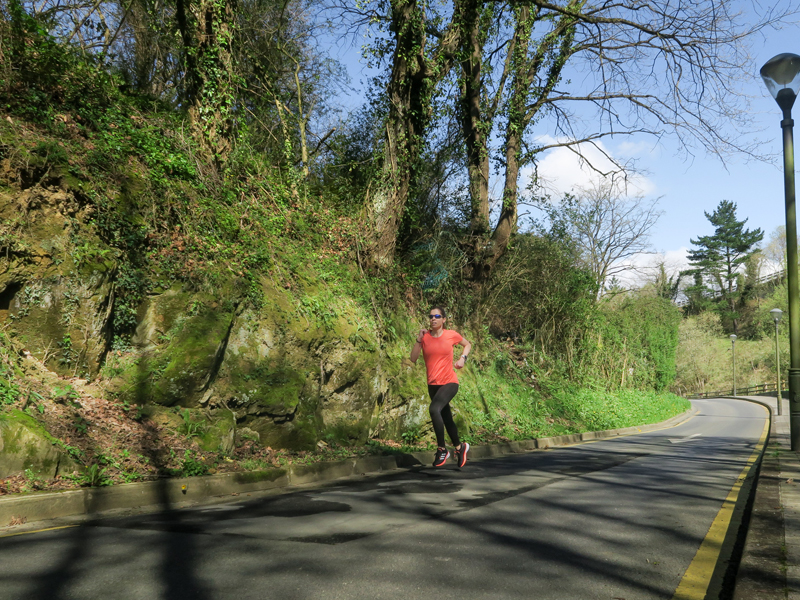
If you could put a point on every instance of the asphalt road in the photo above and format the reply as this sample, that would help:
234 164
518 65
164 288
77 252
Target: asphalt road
617 519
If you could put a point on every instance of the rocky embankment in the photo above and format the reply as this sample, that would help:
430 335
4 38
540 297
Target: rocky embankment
247 362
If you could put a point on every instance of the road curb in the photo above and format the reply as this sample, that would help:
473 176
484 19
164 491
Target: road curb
712 571
41 506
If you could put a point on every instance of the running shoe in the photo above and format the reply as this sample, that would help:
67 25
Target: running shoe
441 456
461 455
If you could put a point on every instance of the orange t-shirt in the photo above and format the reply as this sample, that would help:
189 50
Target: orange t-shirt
438 355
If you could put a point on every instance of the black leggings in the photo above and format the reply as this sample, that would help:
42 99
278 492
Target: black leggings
440 412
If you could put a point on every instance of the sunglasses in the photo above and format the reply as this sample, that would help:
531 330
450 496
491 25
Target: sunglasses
435 316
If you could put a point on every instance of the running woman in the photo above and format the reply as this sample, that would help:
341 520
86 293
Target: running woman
436 344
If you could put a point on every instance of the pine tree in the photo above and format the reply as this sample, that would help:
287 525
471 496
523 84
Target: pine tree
717 258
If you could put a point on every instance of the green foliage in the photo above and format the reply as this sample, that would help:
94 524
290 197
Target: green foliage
254 464
598 410
638 336
67 394
9 371
704 362
349 163
81 425
95 476
191 427
9 393
75 453
412 436
514 395
32 481
191 466
68 355
717 258
538 293
48 77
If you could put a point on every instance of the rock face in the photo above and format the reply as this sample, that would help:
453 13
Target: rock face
282 374
24 445
290 368
56 287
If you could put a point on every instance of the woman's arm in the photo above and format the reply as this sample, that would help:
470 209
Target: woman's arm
463 359
417 347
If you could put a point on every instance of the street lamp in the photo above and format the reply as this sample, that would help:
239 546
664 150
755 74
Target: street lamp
781 74
733 354
777 313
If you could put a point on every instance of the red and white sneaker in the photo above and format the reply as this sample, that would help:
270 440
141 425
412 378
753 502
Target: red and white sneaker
441 456
461 454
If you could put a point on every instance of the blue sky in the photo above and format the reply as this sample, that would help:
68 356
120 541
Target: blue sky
688 186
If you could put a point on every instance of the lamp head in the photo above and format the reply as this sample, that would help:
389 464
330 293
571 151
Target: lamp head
781 74
776 313
733 337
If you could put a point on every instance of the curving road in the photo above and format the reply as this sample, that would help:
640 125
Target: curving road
615 519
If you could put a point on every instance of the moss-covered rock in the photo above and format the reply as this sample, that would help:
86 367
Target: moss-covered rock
24 444
220 434
183 339
56 287
295 367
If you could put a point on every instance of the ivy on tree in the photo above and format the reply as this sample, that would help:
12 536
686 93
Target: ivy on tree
717 259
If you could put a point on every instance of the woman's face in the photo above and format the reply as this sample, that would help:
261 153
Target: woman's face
436 319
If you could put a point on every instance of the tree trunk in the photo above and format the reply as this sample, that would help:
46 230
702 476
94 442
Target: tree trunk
474 125
206 28
549 54
413 79
405 126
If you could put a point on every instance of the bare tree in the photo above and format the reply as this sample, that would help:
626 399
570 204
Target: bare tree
664 280
775 250
582 71
574 70
607 228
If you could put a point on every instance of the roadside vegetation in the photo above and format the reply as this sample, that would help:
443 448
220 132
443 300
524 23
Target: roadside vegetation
227 184
704 355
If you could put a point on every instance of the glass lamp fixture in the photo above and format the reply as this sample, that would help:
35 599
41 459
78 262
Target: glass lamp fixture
781 74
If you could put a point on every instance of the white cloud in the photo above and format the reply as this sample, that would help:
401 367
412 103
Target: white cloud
562 170
642 268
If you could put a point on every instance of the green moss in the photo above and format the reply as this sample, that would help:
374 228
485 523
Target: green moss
214 436
28 445
177 374
348 434
16 418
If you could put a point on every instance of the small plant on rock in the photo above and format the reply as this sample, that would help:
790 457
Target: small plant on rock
95 476
190 466
191 427
413 436
32 481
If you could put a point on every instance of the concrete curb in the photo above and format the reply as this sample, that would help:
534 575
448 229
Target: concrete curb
40 506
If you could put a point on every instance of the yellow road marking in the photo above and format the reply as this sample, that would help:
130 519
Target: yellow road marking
37 531
697 578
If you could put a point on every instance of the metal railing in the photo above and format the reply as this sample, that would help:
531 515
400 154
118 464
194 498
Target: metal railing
777 276
753 390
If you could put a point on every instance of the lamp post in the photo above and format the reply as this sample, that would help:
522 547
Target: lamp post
781 74
777 313
733 354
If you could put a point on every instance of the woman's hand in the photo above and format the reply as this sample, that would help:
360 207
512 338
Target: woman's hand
417 347
460 363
